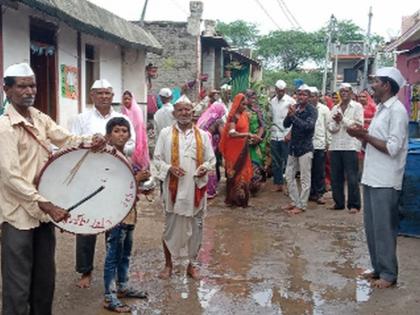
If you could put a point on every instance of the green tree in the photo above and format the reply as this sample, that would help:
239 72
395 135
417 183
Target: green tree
288 49
239 33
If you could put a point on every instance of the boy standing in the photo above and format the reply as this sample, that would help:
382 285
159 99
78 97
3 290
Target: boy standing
119 240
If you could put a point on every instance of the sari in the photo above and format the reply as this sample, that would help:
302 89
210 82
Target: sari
257 151
369 109
209 121
140 155
236 154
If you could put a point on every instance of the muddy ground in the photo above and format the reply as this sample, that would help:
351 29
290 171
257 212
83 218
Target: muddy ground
253 261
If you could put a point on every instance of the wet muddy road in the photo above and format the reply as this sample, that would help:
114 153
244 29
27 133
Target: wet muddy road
253 261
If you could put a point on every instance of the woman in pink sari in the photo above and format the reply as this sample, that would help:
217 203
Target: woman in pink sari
211 121
140 156
369 107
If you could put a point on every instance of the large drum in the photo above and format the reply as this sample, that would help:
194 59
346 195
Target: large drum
98 189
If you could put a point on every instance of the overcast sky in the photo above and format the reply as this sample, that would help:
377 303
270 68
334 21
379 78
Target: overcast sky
309 14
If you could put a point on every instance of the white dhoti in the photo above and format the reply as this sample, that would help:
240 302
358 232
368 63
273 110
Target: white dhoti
183 235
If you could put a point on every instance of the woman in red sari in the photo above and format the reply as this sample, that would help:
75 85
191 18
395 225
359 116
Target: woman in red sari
234 148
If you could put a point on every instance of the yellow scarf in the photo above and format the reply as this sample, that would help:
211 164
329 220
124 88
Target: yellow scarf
173 180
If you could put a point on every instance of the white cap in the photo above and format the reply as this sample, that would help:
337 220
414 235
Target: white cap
165 92
101 84
281 85
183 99
19 70
313 89
346 85
225 87
304 87
392 73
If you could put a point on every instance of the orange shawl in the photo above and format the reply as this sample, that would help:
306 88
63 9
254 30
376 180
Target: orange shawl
173 180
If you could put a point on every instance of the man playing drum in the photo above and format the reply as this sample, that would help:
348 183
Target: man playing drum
28 239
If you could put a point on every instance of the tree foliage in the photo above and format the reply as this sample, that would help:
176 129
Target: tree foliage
288 49
311 78
239 33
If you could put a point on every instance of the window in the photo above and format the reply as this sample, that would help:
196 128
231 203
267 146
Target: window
350 75
92 70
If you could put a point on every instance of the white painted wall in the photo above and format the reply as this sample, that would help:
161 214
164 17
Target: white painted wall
67 55
16 40
133 74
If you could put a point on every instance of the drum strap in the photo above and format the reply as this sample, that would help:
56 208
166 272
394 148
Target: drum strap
29 132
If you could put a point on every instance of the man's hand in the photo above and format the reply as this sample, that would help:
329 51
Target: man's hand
357 131
142 175
338 117
56 213
177 171
288 137
98 142
292 110
201 171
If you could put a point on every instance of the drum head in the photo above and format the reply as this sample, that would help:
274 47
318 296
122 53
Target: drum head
100 187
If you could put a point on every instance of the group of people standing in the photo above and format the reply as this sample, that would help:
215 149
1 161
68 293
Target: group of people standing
305 136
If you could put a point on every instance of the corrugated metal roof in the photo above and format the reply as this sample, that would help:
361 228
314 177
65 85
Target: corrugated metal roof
89 18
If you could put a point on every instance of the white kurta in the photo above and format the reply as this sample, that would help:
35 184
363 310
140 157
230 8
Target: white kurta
91 121
163 118
183 221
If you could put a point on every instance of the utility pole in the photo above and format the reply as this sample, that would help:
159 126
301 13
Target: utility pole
366 51
143 13
331 27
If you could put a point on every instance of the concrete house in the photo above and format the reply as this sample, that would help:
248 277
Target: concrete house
407 52
69 44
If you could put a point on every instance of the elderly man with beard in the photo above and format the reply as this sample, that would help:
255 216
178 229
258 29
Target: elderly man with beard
28 236
92 121
386 150
183 157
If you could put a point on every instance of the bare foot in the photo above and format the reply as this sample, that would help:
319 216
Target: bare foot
277 188
193 272
354 210
295 211
383 284
288 207
85 280
166 273
369 275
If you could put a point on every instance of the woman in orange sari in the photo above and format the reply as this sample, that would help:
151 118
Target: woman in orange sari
234 148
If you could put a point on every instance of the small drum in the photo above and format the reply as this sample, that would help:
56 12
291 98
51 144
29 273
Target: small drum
98 189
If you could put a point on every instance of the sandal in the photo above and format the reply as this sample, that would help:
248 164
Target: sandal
116 306
132 293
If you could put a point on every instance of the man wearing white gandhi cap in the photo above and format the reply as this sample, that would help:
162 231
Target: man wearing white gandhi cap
278 107
386 152
28 236
182 159
163 116
94 120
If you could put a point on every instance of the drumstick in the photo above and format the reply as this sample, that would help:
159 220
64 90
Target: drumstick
75 169
97 191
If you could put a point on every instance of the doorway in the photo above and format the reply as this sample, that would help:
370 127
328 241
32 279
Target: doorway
44 63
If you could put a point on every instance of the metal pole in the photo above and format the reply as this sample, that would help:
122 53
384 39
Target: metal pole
327 55
366 51
143 13
334 86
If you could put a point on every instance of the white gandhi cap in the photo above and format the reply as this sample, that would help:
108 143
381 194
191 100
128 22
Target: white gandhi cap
165 92
281 85
101 84
304 87
392 73
19 70
313 89
346 85
183 99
